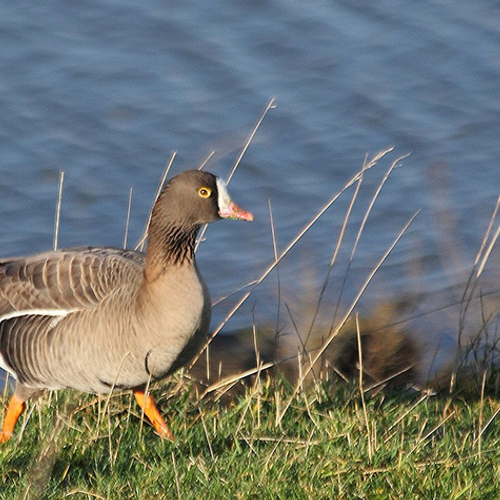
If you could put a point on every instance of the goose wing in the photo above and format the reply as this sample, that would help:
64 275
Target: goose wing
38 291
64 281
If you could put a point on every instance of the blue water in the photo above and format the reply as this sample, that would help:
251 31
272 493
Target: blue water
105 91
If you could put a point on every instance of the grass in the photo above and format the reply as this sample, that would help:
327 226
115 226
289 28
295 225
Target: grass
327 445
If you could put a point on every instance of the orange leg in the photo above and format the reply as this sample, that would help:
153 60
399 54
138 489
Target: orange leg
151 411
14 410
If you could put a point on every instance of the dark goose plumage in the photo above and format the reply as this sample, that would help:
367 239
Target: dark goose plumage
94 319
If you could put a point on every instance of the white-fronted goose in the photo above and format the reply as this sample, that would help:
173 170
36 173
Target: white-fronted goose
98 319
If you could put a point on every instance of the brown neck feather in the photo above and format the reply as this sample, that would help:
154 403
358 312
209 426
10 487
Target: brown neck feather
171 246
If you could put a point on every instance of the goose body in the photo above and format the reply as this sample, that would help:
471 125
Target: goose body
98 319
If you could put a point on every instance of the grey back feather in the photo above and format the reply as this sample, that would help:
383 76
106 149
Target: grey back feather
72 279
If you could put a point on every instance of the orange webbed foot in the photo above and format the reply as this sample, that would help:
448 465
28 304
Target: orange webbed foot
146 402
14 410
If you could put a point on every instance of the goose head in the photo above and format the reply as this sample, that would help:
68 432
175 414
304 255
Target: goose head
189 200
193 198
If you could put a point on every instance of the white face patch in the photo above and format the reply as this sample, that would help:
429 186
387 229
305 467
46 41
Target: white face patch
224 200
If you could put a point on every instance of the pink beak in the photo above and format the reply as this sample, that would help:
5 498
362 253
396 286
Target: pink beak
227 208
233 211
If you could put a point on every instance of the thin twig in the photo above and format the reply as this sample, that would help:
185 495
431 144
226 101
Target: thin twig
366 165
127 224
207 435
361 391
58 209
206 160
225 297
361 229
275 252
481 411
236 378
142 241
488 252
488 231
394 164
406 413
269 106
176 476
488 423
431 432
335 254
472 282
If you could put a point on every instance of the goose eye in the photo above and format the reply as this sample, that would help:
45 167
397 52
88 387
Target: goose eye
204 192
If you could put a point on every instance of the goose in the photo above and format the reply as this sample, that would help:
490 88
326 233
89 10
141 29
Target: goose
97 319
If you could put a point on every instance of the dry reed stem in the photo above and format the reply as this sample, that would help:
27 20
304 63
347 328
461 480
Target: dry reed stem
345 222
110 394
204 228
206 160
255 343
472 282
487 234
27 418
275 255
255 389
481 413
488 423
488 252
57 220
335 253
282 439
406 413
237 290
143 409
423 439
265 465
176 475
207 435
361 391
142 241
296 330
394 164
384 381
84 492
233 379
269 106
127 223
289 247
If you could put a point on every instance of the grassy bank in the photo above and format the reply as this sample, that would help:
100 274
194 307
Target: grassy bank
323 445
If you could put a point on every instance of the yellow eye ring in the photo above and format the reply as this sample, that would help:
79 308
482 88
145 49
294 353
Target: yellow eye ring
204 192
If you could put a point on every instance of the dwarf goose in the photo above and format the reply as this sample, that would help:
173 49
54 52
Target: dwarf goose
96 319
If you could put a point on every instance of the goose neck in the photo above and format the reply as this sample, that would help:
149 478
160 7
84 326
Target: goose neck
173 245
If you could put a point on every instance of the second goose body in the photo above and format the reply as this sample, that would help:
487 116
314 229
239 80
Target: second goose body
96 319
